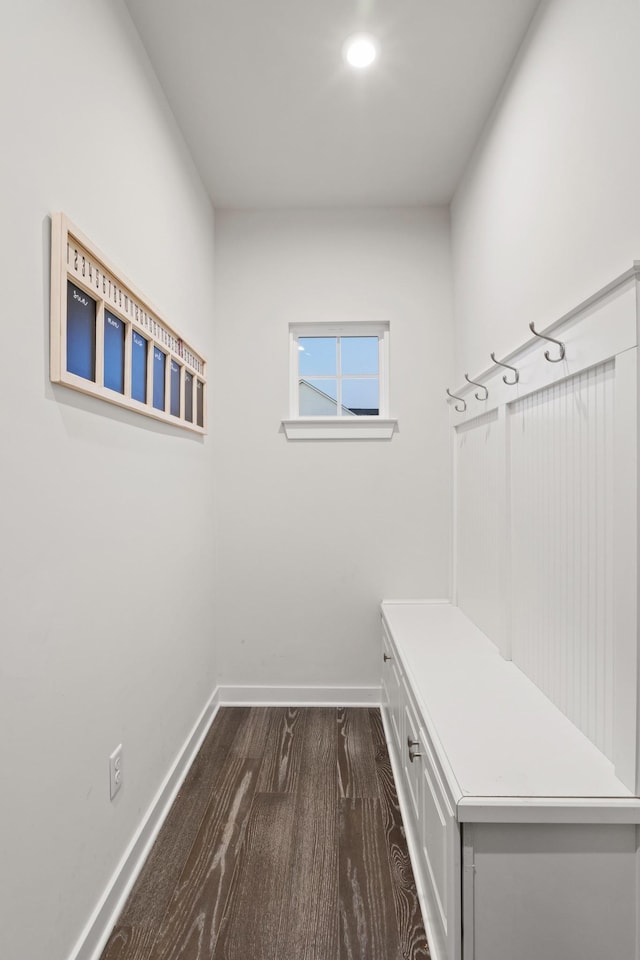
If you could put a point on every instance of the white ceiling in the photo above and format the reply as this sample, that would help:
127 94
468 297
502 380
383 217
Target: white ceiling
274 118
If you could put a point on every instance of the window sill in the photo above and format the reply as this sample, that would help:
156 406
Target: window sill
340 428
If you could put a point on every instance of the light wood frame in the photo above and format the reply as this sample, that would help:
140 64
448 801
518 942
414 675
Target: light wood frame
76 260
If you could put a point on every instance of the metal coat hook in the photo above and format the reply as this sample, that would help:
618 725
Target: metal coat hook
551 340
461 399
510 383
476 384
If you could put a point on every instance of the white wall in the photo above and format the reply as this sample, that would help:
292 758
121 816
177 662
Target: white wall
549 211
106 517
313 534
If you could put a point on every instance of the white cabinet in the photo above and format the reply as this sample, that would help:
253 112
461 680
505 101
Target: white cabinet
523 842
428 811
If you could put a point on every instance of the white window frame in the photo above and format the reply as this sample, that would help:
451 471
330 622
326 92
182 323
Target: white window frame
378 427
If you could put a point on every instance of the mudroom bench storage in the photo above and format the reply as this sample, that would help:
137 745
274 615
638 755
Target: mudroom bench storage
523 840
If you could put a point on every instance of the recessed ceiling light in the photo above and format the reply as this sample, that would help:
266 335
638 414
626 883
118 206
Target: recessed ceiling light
360 51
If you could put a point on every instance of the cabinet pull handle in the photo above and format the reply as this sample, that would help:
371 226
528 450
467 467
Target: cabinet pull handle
386 657
413 754
412 743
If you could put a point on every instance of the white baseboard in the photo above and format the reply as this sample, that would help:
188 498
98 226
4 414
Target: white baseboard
272 696
98 929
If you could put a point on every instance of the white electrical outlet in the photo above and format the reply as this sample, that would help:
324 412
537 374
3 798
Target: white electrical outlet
115 771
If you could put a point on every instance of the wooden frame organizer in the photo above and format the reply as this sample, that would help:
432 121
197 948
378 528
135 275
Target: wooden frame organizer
109 342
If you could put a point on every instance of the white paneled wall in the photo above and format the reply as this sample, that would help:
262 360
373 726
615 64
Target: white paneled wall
546 494
480 533
562 444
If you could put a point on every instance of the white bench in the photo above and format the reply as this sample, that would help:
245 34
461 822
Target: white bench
523 841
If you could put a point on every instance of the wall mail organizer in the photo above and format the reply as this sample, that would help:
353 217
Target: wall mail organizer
107 341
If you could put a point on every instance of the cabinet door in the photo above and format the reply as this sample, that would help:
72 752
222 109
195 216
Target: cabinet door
392 682
387 686
551 891
412 754
440 836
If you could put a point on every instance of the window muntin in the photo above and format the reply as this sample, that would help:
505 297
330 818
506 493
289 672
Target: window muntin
339 370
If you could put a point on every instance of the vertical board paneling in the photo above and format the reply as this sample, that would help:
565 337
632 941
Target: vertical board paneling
480 524
561 563
624 580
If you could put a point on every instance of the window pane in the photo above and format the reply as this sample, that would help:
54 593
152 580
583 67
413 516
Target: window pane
317 356
159 361
361 396
175 389
200 403
81 333
138 368
114 335
359 355
188 396
317 398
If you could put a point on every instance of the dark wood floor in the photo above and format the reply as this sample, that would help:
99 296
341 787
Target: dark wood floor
284 843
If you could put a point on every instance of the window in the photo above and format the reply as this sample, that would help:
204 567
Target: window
339 381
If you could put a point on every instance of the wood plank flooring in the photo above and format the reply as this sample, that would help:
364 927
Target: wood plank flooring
285 842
